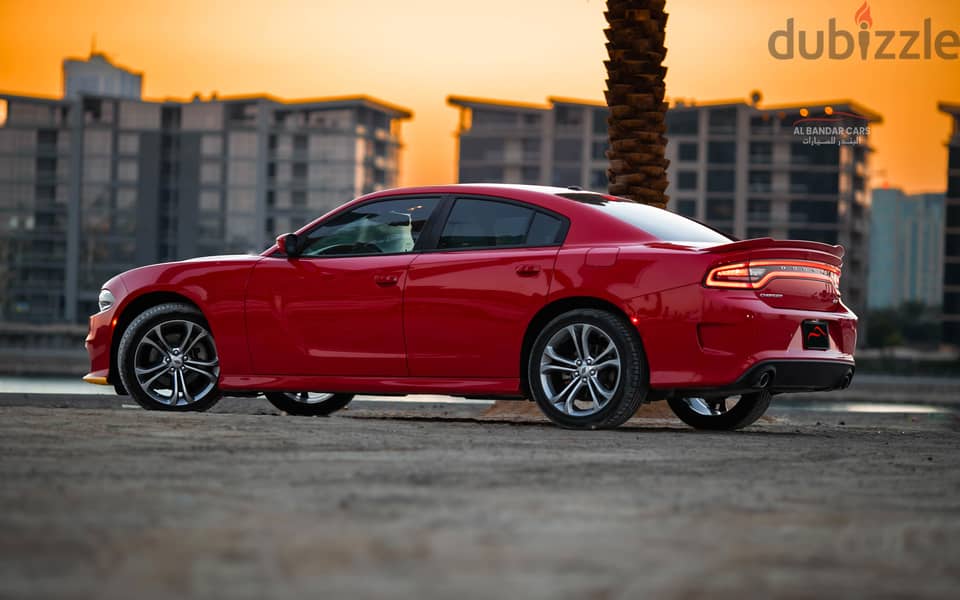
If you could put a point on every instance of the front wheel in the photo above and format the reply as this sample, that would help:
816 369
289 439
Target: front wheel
167 359
721 414
587 370
308 404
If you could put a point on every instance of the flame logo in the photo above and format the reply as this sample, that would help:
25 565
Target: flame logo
862 17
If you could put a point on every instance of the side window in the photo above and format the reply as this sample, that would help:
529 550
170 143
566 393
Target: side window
476 223
380 227
545 230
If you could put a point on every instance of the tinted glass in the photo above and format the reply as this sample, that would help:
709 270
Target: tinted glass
687 152
477 223
383 227
720 181
722 152
545 230
687 180
661 224
687 208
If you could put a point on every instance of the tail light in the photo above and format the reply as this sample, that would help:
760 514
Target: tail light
755 274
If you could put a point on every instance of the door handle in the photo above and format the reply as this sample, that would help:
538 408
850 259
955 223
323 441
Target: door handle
528 270
386 280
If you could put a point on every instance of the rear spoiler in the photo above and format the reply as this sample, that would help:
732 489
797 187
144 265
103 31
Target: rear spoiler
772 244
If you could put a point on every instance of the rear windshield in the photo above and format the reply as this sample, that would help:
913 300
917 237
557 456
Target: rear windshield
661 224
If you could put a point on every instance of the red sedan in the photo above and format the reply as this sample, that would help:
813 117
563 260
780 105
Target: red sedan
588 304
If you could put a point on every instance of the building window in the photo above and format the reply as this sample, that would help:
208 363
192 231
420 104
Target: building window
598 179
954 157
722 152
600 121
758 209
493 118
760 181
480 174
531 148
719 209
530 174
721 180
757 232
686 180
687 152
951 303
814 183
300 144
953 186
472 148
569 116
723 120
952 244
683 122
801 153
687 208
599 151
953 215
813 235
812 211
564 176
567 150
761 153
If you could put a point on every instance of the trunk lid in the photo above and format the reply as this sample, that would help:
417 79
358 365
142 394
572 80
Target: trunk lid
790 274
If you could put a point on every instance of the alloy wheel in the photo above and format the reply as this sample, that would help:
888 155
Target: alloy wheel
580 369
176 363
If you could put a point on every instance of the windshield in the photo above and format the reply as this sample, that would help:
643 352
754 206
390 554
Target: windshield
661 224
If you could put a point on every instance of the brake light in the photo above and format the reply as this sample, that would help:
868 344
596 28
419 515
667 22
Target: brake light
755 274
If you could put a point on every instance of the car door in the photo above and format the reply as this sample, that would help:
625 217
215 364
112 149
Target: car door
337 308
468 301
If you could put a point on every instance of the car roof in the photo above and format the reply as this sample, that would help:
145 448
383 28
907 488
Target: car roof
544 195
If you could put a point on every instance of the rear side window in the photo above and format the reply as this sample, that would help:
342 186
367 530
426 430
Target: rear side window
476 223
661 224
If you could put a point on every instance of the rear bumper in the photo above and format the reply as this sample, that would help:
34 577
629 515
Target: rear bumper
780 376
714 339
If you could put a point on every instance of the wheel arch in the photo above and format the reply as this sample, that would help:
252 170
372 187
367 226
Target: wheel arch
550 312
128 313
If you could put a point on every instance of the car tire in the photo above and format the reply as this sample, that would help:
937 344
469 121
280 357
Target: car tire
587 370
303 404
693 411
167 359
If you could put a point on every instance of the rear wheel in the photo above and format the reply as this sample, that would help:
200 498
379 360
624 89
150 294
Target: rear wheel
308 404
167 359
587 370
719 414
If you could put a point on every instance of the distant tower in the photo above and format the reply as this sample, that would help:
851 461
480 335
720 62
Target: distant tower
97 76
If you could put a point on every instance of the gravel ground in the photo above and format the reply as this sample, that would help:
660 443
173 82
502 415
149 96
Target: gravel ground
109 503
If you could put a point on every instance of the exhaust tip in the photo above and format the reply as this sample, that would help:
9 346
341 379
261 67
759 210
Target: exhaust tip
847 379
765 379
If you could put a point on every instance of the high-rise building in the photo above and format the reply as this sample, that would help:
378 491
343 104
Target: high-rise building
906 249
97 76
796 172
951 266
93 186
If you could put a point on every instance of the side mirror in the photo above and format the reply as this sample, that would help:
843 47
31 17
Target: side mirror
289 244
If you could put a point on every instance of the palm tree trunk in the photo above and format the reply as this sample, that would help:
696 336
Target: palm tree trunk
635 92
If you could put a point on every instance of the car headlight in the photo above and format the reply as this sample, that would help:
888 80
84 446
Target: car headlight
105 299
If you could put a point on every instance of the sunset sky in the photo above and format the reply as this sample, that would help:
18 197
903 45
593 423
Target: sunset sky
417 52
